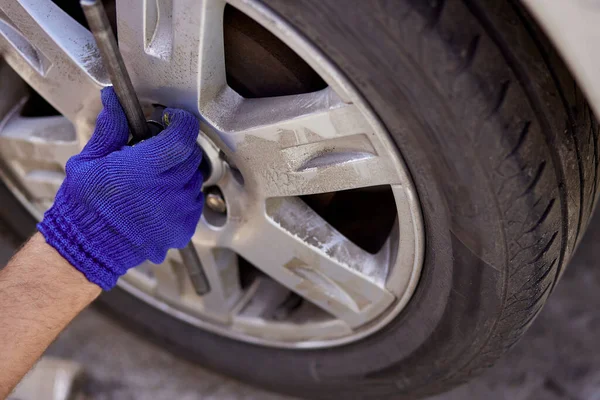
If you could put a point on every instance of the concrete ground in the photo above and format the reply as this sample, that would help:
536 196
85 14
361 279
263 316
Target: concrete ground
559 357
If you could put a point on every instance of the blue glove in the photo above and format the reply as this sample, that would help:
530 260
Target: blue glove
121 205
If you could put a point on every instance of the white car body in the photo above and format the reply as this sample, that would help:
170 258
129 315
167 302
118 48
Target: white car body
574 27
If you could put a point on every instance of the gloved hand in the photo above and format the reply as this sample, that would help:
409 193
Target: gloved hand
121 205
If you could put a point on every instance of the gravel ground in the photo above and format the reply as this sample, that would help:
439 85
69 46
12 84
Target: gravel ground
557 359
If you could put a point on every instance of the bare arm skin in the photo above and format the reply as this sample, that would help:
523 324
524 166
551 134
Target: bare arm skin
40 293
104 221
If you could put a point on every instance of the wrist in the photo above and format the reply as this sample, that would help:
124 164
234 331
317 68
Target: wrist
57 278
78 235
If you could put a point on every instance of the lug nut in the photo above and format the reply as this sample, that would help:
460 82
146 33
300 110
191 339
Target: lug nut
216 202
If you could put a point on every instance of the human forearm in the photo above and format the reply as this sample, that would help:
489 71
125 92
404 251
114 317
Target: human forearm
118 206
40 293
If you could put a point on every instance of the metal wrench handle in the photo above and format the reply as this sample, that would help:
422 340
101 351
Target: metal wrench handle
113 61
194 268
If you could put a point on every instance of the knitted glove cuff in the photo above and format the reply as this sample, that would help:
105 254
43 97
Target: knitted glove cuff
62 233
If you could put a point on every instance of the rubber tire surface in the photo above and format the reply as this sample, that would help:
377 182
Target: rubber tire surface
503 150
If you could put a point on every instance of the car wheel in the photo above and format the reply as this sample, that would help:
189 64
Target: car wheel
396 186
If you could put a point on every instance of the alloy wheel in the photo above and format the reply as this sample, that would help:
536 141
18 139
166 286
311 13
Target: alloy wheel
282 272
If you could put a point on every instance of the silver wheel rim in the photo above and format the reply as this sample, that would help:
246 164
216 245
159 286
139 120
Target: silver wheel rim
304 144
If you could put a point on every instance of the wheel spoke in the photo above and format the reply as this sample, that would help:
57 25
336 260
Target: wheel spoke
53 53
176 44
306 144
310 257
221 268
37 149
172 283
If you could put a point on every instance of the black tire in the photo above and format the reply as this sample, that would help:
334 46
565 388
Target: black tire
503 150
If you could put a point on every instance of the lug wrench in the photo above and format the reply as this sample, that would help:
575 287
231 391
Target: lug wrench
140 128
